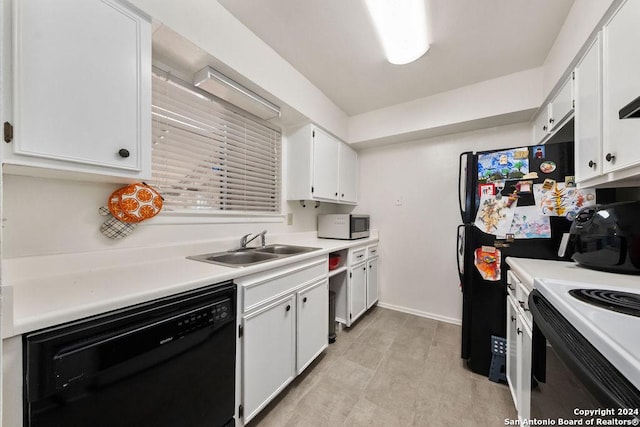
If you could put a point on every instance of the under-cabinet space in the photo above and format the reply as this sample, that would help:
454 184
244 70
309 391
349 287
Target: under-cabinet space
338 283
338 262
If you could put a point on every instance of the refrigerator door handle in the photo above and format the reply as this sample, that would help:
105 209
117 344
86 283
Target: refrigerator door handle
465 199
460 252
462 191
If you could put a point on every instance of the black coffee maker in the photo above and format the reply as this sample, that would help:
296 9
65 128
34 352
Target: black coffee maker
607 237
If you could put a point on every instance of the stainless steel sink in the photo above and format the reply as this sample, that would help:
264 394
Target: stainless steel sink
285 249
246 257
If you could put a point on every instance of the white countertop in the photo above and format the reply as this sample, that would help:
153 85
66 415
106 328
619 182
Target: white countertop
613 334
530 269
39 292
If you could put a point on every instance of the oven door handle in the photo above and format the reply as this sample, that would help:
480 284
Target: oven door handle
599 376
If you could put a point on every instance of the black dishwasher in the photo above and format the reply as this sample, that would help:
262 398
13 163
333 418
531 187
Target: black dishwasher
169 362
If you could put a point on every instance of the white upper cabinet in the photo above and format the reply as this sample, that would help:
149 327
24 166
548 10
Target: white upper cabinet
348 176
561 105
621 41
541 126
81 87
321 167
554 114
588 119
326 152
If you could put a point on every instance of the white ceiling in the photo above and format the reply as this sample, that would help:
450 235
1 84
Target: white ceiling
333 44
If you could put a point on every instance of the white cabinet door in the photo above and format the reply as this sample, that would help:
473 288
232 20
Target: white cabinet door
357 291
325 165
561 105
588 120
372 281
348 174
524 369
621 69
512 349
541 126
82 84
313 323
268 354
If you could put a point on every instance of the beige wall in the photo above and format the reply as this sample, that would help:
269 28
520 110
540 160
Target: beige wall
418 271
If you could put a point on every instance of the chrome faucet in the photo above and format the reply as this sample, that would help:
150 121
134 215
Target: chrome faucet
244 242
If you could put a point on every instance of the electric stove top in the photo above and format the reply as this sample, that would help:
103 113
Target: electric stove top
607 316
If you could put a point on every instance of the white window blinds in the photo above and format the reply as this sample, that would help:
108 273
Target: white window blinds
209 158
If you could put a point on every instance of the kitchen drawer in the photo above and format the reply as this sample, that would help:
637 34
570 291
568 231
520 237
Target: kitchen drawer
272 284
512 281
517 290
357 255
522 295
372 251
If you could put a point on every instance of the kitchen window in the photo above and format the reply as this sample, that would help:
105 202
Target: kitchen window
209 157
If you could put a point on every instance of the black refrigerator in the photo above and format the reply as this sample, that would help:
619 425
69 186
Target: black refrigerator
505 176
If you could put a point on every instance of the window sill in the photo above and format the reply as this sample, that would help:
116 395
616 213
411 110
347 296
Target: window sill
179 218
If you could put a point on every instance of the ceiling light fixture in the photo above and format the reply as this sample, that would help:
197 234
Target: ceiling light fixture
402 28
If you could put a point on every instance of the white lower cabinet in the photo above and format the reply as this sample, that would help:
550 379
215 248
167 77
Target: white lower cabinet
524 344
268 354
284 327
372 282
355 283
512 349
312 334
519 346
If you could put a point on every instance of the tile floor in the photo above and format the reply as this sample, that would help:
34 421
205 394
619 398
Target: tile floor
391 369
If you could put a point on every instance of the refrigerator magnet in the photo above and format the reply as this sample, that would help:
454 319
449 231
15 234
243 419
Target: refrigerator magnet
547 167
569 181
539 152
524 186
487 262
487 189
548 184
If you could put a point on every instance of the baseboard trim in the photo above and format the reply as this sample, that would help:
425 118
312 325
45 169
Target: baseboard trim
420 313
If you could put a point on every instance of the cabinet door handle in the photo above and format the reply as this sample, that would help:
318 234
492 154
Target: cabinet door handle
342 195
123 152
304 299
544 128
509 286
336 194
592 164
288 307
551 120
610 157
519 331
513 318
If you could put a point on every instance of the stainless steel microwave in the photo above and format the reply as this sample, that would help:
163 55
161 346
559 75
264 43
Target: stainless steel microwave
343 226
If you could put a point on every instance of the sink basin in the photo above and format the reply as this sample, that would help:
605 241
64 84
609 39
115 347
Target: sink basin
285 249
235 258
245 257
